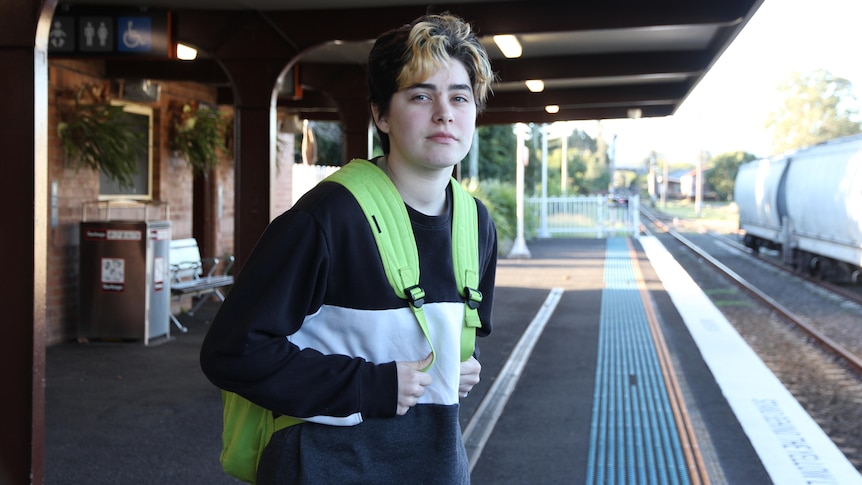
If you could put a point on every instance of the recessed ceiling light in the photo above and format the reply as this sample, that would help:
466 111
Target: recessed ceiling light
552 109
535 85
509 45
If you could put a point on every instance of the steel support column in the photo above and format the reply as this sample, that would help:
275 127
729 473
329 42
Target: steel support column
24 138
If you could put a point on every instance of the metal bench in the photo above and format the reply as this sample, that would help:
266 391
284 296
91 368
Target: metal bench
188 277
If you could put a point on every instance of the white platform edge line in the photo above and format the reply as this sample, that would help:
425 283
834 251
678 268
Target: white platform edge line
479 429
791 445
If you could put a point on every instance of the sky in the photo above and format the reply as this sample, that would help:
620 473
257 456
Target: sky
727 110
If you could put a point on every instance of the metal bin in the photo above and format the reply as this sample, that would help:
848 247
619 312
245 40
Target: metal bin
125 280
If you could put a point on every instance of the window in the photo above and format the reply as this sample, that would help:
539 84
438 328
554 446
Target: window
141 118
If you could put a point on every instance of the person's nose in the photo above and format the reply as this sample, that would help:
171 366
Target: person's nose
443 112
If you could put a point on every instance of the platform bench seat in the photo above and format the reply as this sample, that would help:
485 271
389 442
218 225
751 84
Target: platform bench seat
196 276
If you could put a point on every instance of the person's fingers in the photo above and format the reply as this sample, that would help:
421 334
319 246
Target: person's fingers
470 371
412 381
424 363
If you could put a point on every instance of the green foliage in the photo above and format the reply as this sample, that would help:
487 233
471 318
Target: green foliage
101 137
329 139
586 169
329 142
596 177
499 198
722 173
816 107
199 134
497 152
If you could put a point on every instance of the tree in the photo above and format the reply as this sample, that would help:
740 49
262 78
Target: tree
497 153
596 173
330 144
722 173
816 107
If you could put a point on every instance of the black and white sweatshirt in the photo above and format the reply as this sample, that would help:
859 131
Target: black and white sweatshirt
312 329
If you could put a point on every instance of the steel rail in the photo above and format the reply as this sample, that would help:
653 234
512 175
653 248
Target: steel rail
852 360
843 292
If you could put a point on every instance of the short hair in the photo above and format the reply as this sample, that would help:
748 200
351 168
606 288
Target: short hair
409 54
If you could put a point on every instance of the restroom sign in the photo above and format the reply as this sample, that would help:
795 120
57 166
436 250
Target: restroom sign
104 32
96 34
135 34
62 36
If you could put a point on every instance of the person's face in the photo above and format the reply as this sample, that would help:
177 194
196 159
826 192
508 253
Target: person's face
431 123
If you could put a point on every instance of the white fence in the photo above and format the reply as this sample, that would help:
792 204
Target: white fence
307 176
591 216
585 216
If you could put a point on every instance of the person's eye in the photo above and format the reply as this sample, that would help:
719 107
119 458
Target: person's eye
421 97
461 98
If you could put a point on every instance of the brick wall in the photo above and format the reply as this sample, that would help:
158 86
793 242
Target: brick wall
71 188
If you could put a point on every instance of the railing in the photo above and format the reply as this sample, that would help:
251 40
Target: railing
590 216
586 216
307 176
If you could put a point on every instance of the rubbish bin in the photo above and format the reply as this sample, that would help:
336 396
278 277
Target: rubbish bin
125 280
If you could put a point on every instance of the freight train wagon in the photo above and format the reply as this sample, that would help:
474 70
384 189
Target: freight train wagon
808 205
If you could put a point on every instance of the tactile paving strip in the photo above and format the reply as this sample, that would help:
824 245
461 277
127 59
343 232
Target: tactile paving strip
633 436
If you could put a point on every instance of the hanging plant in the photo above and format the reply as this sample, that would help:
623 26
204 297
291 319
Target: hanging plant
198 133
99 135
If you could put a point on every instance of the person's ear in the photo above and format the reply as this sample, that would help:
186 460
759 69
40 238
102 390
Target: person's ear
379 120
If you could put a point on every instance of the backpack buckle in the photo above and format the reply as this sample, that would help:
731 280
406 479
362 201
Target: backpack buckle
472 297
415 295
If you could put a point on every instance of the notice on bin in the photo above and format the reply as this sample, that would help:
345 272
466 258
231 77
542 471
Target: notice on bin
113 274
159 270
113 235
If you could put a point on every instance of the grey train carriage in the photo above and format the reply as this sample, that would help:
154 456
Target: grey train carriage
807 204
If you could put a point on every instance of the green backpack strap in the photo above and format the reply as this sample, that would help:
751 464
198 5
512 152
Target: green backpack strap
387 216
465 257
392 231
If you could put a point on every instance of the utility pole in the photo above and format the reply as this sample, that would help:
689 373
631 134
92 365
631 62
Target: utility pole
564 171
543 214
519 248
612 164
473 168
698 183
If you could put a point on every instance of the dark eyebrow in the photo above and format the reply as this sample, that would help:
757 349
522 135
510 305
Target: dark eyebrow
452 87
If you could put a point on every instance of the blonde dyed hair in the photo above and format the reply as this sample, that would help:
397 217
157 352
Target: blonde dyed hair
434 42
409 54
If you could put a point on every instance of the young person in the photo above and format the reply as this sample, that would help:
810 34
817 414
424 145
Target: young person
312 328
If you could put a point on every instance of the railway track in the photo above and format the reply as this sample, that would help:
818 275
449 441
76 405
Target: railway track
851 358
852 293
810 337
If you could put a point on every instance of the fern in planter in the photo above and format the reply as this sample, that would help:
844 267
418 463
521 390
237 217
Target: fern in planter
198 132
99 135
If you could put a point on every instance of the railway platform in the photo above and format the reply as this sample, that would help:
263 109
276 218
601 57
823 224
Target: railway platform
607 365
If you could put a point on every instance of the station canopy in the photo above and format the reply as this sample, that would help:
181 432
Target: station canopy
596 59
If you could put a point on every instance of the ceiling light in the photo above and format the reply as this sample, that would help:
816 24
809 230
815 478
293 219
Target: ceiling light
509 45
552 109
186 53
535 85
635 113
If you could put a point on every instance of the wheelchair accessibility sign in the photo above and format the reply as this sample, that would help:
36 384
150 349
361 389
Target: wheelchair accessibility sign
134 34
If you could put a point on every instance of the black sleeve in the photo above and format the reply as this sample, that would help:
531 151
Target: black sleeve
245 349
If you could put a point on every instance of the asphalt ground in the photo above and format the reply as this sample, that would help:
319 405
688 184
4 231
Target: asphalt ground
122 412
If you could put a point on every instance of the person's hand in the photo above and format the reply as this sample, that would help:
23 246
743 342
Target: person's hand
412 382
470 370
